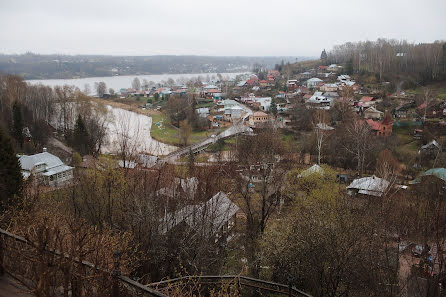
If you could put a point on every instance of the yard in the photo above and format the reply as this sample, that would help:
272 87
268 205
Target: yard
439 89
164 131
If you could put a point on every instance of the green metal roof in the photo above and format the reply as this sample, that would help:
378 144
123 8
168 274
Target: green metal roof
438 172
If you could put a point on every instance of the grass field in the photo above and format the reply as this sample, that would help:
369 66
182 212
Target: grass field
163 131
439 89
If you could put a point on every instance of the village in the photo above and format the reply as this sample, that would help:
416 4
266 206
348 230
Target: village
244 152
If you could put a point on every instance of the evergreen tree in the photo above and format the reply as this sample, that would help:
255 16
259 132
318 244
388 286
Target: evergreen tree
17 125
81 141
191 162
274 107
324 57
11 179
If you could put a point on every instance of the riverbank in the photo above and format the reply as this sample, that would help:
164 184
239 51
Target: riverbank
162 130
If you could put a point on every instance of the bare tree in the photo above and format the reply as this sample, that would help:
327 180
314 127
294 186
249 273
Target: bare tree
358 142
128 135
101 88
321 130
136 84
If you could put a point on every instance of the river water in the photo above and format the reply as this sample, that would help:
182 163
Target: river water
125 81
132 130
128 124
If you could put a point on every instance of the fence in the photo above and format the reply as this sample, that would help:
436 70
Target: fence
17 257
17 254
240 282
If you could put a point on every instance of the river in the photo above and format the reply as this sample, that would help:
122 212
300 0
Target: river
132 130
125 81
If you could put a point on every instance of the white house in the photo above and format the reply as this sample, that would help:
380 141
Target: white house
203 112
313 82
319 101
48 168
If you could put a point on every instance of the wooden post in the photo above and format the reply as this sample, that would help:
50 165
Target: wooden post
116 273
289 290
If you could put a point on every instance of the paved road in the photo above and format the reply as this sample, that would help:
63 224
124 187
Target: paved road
9 287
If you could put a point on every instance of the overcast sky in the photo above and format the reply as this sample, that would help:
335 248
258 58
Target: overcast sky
208 27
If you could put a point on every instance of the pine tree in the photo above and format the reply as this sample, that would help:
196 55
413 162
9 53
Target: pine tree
324 57
191 162
11 179
81 141
274 107
17 128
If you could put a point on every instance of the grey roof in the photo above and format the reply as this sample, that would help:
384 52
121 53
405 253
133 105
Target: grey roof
147 161
207 217
372 185
331 94
51 161
53 164
432 144
313 169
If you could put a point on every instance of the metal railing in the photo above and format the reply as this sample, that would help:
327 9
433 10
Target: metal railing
240 281
134 288
118 280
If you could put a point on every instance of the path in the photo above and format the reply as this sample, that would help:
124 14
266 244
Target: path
57 143
9 287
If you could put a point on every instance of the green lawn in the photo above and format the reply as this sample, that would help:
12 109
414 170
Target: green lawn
207 104
438 88
163 131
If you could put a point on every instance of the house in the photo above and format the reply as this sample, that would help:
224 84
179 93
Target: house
203 112
431 149
437 172
233 113
305 74
333 67
292 84
47 168
214 218
350 84
332 95
319 101
313 169
329 88
373 113
344 78
184 187
370 186
383 128
366 101
257 118
401 111
313 82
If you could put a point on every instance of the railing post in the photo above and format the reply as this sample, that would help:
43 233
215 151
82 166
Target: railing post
116 273
2 254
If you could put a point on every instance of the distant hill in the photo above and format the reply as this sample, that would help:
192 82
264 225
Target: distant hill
34 66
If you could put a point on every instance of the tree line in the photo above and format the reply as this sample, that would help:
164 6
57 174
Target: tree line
390 58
